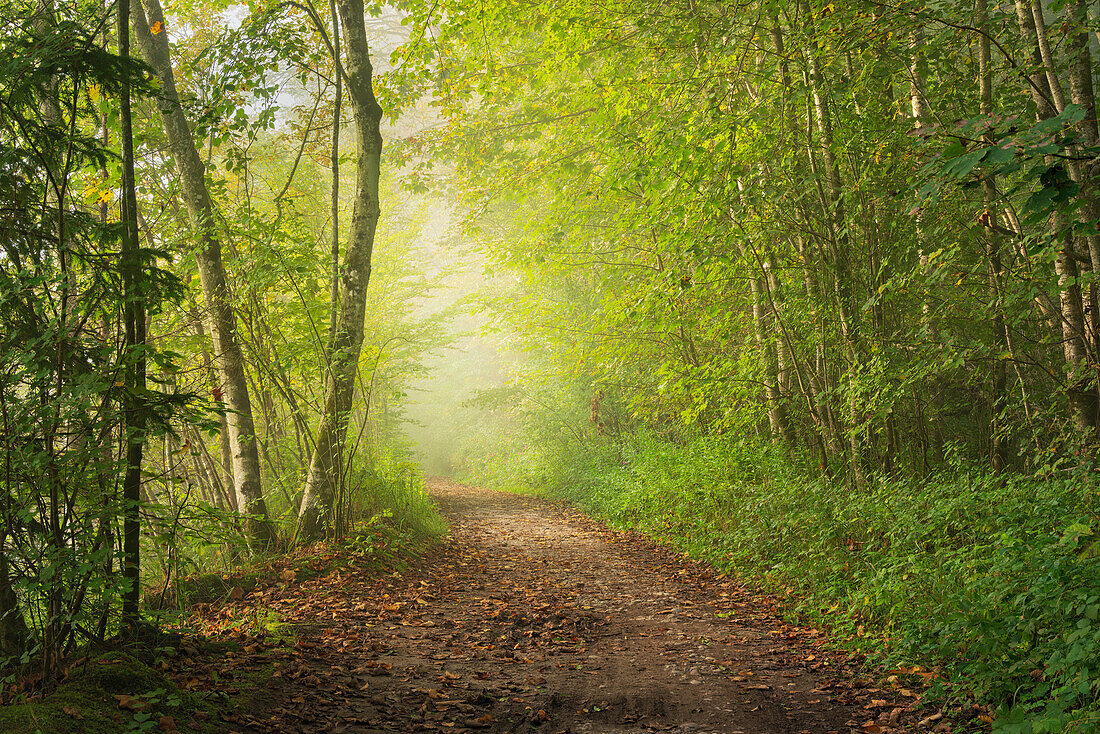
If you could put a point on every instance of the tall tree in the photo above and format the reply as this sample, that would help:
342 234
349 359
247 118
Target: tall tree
326 463
998 404
150 27
134 323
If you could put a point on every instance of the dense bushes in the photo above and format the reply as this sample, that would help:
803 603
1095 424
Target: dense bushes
988 579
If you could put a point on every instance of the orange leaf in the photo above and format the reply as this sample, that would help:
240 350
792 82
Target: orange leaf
157 28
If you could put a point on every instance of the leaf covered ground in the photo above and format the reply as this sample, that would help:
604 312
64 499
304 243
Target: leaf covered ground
530 617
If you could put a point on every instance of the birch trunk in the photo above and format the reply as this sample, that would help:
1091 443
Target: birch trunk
319 495
840 251
200 211
1081 388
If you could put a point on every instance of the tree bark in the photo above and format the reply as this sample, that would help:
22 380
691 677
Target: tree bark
334 164
326 464
1081 389
134 318
999 445
840 251
200 210
13 629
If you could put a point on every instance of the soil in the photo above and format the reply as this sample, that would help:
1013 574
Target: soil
532 618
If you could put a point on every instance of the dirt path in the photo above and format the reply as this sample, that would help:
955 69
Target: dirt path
533 618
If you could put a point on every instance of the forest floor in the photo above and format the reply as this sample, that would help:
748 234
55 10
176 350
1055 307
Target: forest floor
531 617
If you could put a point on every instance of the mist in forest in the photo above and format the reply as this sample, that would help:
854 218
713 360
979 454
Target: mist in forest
445 419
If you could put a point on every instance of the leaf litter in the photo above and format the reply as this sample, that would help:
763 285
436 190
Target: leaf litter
531 617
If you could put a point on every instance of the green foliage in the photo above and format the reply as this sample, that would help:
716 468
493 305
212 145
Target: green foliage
63 389
392 494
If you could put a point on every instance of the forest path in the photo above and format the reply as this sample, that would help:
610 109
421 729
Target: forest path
531 617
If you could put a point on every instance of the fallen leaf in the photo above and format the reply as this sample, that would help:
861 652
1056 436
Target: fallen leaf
131 703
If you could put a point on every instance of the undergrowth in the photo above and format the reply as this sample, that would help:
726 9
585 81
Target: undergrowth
990 580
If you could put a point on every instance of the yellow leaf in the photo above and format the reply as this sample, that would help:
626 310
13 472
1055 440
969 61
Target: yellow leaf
157 28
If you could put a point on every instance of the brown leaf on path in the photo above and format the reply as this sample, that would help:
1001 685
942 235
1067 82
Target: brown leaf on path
928 720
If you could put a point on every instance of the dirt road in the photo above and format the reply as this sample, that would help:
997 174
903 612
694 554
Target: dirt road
532 618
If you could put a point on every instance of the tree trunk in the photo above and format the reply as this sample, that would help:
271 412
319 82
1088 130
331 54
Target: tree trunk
762 319
998 396
134 316
327 461
1081 389
226 466
200 210
918 103
13 629
334 165
1083 94
840 251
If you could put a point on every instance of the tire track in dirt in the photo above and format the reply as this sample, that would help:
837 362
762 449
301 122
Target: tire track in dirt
531 617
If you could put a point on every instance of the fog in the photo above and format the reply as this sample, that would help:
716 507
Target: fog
449 412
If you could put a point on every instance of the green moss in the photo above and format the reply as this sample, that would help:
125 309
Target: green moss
88 702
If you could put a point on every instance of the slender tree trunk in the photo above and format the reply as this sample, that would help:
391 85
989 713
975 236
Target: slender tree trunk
762 318
840 247
784 356
918 103
1037 83
998 397
1083 94
200 210
13 629
226 474
1081 390
334 204
134 317
1057 98
326 464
